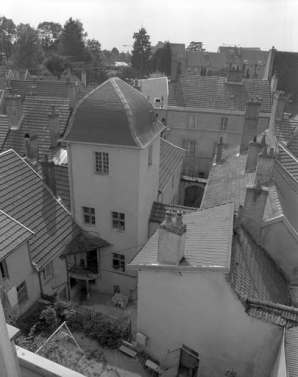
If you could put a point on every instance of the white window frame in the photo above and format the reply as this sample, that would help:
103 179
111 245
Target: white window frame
224 123
102 163
3 270
22 293
47 272
118 221
89 215
150 155
119 262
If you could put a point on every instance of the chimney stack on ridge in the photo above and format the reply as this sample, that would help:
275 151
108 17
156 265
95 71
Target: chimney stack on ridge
171 240
219 151
48 174
264 170
251 122
31 147
54 127
73 94
14 110
254 150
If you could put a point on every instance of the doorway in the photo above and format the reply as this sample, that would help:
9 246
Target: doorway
189 362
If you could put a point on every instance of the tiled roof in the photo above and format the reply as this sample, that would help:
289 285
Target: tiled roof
212 92
58 89
291 351
170 158
228 180
277 314
285 129
4 127
116 114
84 242
36 111
196 58
62 184
12 234
207 244
25 197
288 161
293 143
217 60
158 211
253 273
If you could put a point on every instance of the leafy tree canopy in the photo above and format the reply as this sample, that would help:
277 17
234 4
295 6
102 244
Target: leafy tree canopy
56 64
161 60
141 52
72 40
7 36
49 34
93 50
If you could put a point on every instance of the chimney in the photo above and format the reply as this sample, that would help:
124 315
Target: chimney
31 147
219 151
239 218
273 84
73 94
253 154
54 127
254 207
171 240
277 111
234 75
84 77
48 174
14 110
251 121
265 167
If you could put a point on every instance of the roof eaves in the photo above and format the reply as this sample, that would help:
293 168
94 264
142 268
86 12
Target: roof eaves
128 112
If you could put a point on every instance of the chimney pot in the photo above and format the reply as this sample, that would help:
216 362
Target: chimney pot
48 174
14 110
265 165
252 156
251 122
31 147
54 127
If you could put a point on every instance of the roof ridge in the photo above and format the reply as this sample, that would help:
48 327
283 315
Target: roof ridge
286 150
16 221
127 110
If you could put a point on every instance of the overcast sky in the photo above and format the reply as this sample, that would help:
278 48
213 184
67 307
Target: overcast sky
248 23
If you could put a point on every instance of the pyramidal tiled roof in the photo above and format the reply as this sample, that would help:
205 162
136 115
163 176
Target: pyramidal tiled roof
212 92
207 245
4 127
115 114
170 157
25 197
12 234
36 111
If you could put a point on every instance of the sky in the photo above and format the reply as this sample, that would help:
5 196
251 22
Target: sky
247 23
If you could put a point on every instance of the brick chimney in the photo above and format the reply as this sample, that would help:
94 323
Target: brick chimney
54 127
253 154
251 122
48 174
219 151
171 240
31 147
73 94
14 110
84 77
265 167
254 207
273 83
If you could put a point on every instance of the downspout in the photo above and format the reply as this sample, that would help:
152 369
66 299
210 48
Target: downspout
40 284
67 275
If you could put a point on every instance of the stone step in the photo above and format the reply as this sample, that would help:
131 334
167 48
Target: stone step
127 351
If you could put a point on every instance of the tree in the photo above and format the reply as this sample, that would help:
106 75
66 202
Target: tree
195 46
28 51
7 36
56 64
141 52
115 51
93 50
161 60
72 40
49 33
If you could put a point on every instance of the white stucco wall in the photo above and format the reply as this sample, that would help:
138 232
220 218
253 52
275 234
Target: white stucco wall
20 269
59 279
201 311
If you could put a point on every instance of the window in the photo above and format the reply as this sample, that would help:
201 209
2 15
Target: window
3 270
191 121
89 215
224 123
47 272
101 163
190 147
118 221
22 293
119 262
150 152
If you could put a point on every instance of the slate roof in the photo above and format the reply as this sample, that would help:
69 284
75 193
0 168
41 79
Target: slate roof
212 92
170 158
285 129
196 58
207 245
288 161
25 197
62 184
36 111
158 211
115 114
84 242
293 144
12 234
228 180
253 274
4 127
291 351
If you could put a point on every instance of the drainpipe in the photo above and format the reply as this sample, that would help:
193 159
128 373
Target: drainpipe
67 274
40 284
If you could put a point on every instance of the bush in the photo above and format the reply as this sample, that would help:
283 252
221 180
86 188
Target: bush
48 319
